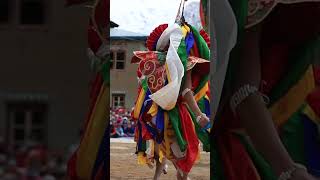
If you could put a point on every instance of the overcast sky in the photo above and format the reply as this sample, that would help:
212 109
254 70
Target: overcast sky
142 16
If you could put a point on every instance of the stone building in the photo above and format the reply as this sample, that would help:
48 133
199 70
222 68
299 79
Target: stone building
44 72
123 84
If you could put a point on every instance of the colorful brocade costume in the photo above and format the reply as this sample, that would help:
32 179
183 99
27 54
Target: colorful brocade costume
290 78
160 112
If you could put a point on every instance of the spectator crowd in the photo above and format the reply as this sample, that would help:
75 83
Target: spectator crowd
34 161
121 124
31 161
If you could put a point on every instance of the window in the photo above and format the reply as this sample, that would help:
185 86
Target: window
32 12
118 59
26 122
4 11
118 100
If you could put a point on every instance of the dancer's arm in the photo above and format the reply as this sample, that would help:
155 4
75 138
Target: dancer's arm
253 112
192 102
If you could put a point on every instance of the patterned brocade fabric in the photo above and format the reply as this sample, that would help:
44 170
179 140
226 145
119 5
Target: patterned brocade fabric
260 9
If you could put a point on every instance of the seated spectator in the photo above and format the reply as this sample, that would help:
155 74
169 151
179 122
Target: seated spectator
113 132
119 130
34 164
125 128
31 161
20 155
11 171
129 130
124 120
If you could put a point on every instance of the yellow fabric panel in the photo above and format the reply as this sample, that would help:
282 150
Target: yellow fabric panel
161 155
151 143
88 149
139 103
292 101
153 109
170 133
184 32
142 159
202 92
167 139
185 29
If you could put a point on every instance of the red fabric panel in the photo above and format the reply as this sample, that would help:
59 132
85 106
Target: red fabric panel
72 172
191 138
313 100
316 71
195 81
94 40
102 19
99 175
102 14
274 63
237 164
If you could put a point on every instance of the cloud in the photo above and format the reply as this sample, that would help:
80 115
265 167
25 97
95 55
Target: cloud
142 16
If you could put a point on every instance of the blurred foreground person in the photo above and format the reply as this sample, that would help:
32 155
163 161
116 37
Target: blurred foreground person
267 126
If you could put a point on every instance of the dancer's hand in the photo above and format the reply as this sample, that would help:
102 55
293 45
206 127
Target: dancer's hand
204 121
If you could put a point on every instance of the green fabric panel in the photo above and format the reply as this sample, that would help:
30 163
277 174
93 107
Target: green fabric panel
161 57
204 4
182 52
203 48
143 146
300 59
202 83
263 168
204 53
106 72
203 136
176 124
292 136
216 166
202 105
144 85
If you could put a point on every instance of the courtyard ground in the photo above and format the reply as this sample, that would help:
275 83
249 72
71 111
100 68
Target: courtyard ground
124 164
